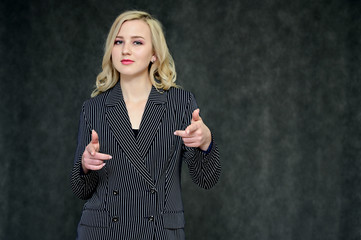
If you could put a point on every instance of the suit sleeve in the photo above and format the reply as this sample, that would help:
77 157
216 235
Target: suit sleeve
204 168
83 185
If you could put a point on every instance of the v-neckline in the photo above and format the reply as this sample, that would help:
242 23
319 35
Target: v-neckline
142 114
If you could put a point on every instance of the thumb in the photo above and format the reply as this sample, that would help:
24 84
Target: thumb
95 138
195 115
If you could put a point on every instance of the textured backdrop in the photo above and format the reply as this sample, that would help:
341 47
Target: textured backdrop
277 81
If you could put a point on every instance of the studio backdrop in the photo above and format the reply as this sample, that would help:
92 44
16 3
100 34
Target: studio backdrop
278 83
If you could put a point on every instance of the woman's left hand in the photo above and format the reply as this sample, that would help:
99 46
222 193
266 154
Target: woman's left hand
197 134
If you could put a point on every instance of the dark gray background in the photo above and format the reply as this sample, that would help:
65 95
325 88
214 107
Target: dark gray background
277 81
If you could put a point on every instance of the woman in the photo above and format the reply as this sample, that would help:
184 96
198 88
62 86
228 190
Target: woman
133 136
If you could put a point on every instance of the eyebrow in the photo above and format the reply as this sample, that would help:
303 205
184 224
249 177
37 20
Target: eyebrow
130 37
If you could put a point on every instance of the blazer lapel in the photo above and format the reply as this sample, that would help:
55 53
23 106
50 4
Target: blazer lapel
151 120
118 120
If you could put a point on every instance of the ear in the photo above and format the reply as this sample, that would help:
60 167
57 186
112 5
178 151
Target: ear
154 58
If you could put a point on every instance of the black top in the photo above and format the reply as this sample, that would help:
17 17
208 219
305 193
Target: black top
135 131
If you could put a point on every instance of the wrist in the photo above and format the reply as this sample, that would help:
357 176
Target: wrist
205 146
83 169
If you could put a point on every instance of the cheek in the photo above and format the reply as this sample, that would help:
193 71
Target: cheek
115 58
144 54
115 54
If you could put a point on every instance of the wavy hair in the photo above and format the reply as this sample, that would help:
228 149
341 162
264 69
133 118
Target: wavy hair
162 72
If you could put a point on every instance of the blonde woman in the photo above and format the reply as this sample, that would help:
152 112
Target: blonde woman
134 134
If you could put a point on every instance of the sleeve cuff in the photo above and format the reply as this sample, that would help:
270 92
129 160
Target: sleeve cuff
209 148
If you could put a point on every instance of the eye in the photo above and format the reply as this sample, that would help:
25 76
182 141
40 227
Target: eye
118 42
138 43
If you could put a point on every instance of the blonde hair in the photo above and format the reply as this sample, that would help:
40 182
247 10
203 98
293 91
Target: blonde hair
162 72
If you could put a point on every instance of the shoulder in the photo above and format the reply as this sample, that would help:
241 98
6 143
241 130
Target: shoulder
181 99
179 94
96 102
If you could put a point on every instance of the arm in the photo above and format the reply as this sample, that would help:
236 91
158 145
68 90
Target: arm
83 185
204 168
200 151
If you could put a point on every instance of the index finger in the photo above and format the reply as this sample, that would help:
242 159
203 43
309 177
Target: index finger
101 156
181 133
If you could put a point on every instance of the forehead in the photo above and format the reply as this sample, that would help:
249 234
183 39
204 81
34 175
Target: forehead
134 28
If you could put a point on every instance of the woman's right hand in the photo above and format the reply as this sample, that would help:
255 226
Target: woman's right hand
92 159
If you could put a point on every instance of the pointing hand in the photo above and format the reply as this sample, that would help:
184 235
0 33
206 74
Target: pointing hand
92 159
197 134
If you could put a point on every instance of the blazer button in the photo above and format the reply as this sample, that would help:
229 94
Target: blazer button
151 218
115 219
153 190
115 192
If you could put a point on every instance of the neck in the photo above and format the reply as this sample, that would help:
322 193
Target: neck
135 89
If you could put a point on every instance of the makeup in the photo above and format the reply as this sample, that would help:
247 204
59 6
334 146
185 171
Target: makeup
126 61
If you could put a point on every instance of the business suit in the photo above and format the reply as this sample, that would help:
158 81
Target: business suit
137 194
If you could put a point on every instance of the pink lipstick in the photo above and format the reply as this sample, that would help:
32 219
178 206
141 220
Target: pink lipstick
126 61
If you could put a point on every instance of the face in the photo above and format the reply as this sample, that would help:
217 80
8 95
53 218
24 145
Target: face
132 50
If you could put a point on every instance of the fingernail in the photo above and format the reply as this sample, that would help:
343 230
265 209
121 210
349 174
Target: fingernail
110 157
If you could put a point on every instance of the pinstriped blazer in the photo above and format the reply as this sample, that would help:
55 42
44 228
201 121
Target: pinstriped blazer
137 194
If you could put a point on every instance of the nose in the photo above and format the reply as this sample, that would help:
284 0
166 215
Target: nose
126 49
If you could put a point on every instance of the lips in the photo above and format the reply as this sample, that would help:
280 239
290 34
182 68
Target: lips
126 61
